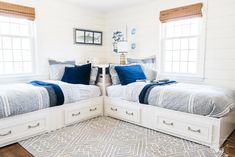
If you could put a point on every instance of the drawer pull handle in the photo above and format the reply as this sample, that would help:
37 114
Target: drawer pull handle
8 133
91 110
166 123
34 126
130 114
113 109
190 129
76 114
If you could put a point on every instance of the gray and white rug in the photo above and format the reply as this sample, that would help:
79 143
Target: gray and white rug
107 137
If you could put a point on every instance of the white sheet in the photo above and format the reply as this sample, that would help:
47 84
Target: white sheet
116 91
77 92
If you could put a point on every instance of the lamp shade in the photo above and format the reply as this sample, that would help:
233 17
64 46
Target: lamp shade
122 46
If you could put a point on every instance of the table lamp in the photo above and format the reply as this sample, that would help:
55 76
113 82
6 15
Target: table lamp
122 47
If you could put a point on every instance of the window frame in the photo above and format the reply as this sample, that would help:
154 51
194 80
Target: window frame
200 75
31 37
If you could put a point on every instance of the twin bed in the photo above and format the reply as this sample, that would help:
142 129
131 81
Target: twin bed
198 113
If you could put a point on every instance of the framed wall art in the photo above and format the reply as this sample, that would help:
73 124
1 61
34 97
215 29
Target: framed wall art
89 37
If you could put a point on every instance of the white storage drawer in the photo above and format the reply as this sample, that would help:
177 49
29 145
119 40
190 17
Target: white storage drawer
77 113
22 129
199 132
113 110
131 114
126 113
185 129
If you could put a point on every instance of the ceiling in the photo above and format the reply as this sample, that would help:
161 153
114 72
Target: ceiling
108 5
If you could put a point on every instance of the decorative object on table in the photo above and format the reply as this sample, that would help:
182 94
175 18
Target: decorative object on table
122 47
119 34
90 37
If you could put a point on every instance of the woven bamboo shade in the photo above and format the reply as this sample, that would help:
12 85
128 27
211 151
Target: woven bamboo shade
190 11
18 11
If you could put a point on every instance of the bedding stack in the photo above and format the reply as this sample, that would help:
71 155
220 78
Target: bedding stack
68 83
131 83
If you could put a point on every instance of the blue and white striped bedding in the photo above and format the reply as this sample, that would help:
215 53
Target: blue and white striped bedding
190 98
22 98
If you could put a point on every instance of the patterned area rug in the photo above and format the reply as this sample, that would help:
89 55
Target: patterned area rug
107 137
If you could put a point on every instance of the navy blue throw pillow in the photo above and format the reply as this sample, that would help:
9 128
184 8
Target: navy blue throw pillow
78 74
129 74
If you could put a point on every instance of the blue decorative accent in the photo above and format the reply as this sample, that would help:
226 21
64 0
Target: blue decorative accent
58 92
133 31
78 74
145 91
133 46
129 74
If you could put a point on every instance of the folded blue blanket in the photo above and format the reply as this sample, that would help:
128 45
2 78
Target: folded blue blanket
144 94
55 93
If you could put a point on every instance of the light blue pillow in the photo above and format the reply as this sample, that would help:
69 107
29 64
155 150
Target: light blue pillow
148 60
57 68
130 74
148 65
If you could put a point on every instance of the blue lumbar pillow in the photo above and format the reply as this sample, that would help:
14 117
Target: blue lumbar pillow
77 74
129 74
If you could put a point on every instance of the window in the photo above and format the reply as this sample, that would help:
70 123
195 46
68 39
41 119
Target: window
181 52
16 39
181 46
15 46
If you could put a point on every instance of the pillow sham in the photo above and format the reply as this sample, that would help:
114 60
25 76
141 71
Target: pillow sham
57 68
130 74
94 75
77 74
113 74
149 61
148 64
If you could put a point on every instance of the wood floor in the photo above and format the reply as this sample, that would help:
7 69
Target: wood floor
16 150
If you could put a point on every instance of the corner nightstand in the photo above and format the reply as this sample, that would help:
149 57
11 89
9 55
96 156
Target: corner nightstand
104 80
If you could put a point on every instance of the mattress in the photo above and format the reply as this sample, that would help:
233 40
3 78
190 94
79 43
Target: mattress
116 91
196 99
22 98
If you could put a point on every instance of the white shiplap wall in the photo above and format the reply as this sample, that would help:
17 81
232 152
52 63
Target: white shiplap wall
220 35
55 20
220 44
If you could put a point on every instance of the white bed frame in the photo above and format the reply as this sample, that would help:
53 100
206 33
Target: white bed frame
200 129
20 127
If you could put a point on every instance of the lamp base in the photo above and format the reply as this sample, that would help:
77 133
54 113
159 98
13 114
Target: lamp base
122 59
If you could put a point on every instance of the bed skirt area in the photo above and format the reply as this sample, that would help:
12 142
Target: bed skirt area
16 128
204 130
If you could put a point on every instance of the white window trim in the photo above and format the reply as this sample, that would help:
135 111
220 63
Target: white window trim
25 76
200 76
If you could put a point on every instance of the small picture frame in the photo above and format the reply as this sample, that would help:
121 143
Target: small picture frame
98 38
83 36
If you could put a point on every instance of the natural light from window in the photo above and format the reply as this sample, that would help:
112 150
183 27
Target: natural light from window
16 37
181 46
